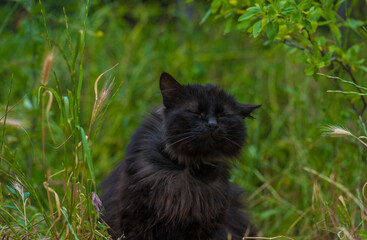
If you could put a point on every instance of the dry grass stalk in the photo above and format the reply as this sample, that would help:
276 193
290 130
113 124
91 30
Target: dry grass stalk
48 108
364 191
339 186
344 233
44 166
97 80
2 117
13 123
45 184
268 238
46 68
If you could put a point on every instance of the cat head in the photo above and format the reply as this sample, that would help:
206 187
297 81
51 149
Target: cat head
202 120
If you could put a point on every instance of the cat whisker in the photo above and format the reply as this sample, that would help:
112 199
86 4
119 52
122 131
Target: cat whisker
233 142
183 139
184 129
181 135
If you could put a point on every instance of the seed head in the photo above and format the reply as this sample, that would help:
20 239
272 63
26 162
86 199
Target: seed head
18 187
336 131
102 100
46 68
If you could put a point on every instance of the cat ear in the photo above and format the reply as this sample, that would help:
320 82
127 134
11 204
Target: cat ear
168 82
247 109
170 89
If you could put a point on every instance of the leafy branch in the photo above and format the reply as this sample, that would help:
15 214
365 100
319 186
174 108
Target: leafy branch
318 28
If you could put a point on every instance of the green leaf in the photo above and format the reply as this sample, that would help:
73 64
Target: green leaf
363 31
71 99
244 26
306 5
336 32
272 30
207 14
316 51
354 23
268 213
307 24
364 68
310 70
362 234
11 190
216 4
68 223
87 152
246 16
12 207
66 105
81 69
326 219
288 10
78 42
343 215
315 75
257 28
34 217
328 4
251 11
228 26
254 9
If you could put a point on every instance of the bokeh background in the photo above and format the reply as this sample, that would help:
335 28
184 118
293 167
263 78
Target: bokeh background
148 37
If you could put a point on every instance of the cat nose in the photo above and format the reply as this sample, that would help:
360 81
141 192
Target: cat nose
212 123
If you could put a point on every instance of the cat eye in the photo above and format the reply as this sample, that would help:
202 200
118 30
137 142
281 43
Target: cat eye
193 112
225 115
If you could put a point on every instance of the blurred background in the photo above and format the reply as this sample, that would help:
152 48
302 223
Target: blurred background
148 37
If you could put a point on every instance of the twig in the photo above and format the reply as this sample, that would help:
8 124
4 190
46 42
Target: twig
293 44
341 90
308 35
349 71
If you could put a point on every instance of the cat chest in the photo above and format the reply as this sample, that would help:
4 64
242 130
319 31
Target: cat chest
183 198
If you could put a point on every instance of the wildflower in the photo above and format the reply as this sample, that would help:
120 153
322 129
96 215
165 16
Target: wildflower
97 202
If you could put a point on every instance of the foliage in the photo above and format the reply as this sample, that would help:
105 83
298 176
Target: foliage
329 36
327 33
56 149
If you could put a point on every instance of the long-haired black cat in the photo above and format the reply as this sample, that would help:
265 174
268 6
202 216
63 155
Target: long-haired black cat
174 181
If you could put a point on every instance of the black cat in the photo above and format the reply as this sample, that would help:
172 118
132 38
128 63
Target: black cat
174 181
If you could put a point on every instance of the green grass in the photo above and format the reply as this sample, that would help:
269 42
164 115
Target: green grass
299 183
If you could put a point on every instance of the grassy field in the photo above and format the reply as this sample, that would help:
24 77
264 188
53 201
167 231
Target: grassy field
299 182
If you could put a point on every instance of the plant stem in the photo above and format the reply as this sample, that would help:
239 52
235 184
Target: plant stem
44 164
